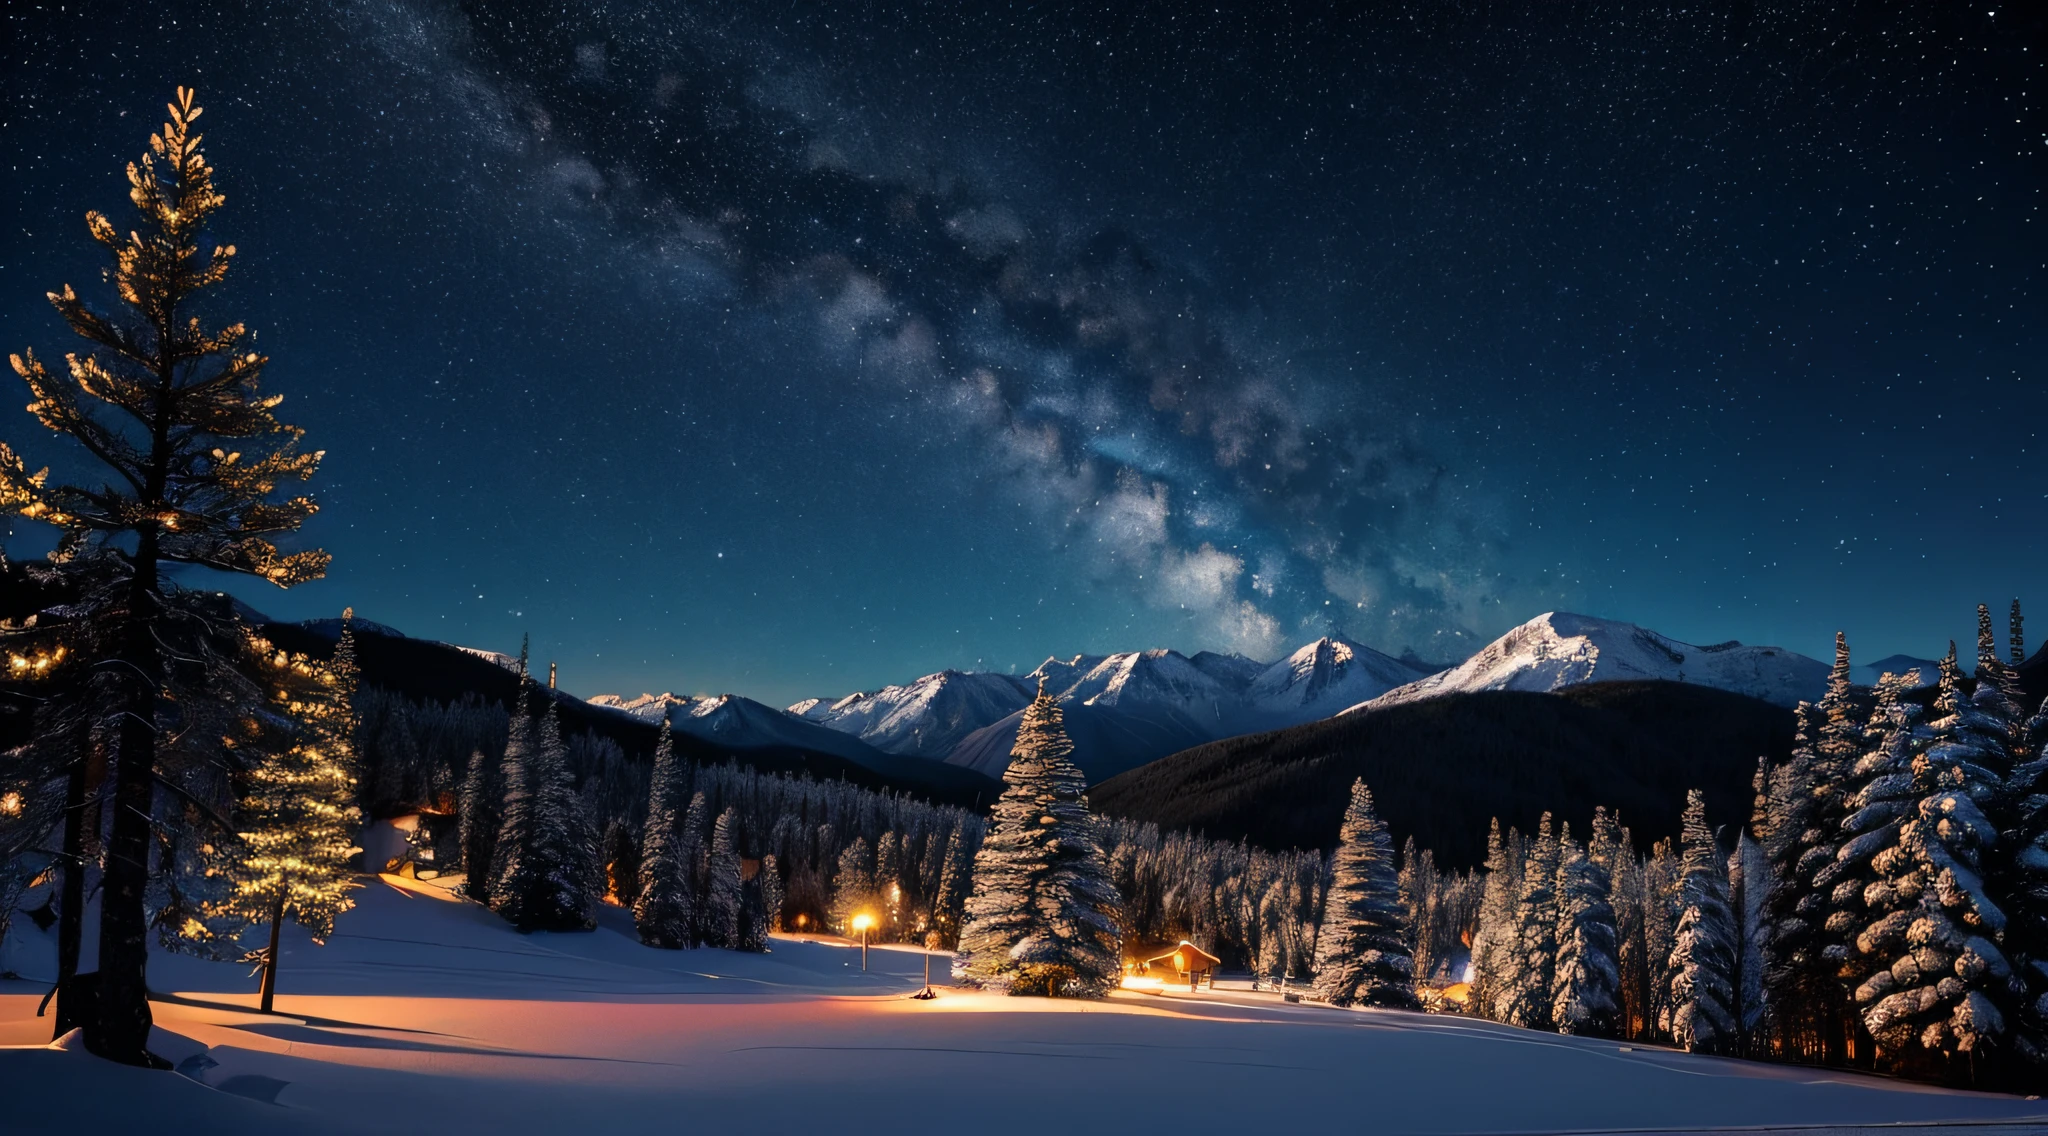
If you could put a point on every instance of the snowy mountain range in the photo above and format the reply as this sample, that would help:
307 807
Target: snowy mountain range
1122 710
733 722
1559 649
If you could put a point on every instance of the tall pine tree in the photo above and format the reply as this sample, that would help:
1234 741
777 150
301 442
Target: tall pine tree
1363 953
1588 981
1042 917
661 913
1528 1002
1703 961
1939 994
192 458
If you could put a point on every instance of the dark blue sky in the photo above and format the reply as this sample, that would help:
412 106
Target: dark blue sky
743 347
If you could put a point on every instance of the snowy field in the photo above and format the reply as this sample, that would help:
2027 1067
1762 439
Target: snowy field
426 1014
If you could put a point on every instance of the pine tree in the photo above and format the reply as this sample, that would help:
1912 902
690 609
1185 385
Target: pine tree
193 457
1806 801
1946 978
949 905
1703 961
661 914
771 897
1882 799
1042 917
549 878
1496 965
1528 1002
722 895
298 817
1588 977
1363 953
479 828
853 884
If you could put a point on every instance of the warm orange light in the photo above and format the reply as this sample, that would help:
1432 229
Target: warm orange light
863 921
10 805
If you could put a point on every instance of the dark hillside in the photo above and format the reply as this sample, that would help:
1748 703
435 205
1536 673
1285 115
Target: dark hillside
1440 769
429 671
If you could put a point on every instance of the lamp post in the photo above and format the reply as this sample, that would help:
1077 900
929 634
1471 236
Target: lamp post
861 923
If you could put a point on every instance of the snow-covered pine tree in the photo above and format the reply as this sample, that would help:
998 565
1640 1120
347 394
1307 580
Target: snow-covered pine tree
1496 967
478 827
298 821
949 904
1806 799
1528 1002
1584 997
853 884
1749 884
550 878
1609 847
771 897
1363 955
1942 991
722 893
1703 961
661 914
1041 918
1881 799
1663 885
889 885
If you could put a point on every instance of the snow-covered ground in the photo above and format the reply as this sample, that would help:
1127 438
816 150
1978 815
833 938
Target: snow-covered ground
426 1014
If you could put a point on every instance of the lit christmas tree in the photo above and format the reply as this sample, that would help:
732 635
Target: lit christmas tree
298 817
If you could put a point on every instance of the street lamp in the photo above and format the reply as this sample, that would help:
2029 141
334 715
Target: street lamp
861 923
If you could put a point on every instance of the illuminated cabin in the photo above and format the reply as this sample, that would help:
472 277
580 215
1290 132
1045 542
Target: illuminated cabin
1185 963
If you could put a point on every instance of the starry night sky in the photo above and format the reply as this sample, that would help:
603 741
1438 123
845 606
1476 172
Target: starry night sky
789 351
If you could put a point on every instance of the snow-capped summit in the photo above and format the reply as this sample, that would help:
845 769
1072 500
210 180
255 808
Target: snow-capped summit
1558 649
740 723
1059 675
1322 679
1150 678
925 718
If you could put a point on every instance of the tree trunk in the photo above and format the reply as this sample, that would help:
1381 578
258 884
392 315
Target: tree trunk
123 1012
71 906
270 959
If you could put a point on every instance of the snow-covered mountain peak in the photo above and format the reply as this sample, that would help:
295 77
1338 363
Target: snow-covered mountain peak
1560 649
1331 673
1155 677
925 717
647 707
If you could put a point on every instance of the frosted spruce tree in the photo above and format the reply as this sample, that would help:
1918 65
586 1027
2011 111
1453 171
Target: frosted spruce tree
723 900
548 879
1939 990
1527 1003
1588 980
1363 955
661 913
477 829
1866 907
298 818
1496 966
1702 1018
1042 916
189 460
1805 805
